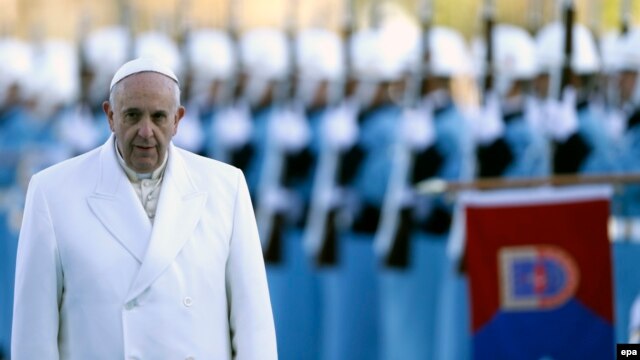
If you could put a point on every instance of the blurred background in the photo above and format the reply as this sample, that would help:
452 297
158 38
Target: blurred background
361 100
63 18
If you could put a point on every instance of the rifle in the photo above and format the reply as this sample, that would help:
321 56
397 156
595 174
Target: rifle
321 236
493 157
489 14
568 13
569 154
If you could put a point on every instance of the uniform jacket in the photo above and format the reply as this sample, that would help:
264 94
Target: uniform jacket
88 288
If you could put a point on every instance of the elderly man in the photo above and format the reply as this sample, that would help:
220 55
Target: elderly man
139 249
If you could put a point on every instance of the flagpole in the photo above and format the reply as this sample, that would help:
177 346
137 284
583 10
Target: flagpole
439 186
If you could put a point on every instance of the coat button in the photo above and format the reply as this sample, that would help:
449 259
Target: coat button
187 301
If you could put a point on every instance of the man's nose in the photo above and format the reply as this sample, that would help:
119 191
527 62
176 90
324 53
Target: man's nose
146 128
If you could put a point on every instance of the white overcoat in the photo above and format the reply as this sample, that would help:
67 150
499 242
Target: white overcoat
87 286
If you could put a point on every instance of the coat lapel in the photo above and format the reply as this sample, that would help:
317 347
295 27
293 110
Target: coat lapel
179 210
117 206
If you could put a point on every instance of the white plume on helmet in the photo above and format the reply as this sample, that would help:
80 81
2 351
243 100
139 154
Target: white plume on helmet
211 54
105 49
550 49
449 54
161 47
264 53
319 54
611 50
385 53
514 56
629 50
54 81
16 64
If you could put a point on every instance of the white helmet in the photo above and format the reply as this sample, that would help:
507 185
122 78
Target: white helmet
160 47
319 54
106 49
16 64
386 53
211 54
629 50
55 81
449 54
550 49
513 56
513 53
611 52
264 54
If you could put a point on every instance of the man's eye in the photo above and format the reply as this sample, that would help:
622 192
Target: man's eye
159 118
131 116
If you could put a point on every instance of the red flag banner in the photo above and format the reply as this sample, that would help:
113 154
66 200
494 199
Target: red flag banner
539 268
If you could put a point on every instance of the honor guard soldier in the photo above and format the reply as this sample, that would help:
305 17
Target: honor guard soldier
294 279
508 115
439 140
280 137
381 58
579 138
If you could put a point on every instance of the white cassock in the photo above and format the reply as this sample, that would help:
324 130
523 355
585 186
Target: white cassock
89 287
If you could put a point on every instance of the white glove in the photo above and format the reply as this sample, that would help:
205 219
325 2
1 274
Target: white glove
339 127
489 125
563 121
233 126
289 130
417 128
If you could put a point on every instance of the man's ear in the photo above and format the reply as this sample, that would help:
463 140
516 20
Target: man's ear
106 107
179 115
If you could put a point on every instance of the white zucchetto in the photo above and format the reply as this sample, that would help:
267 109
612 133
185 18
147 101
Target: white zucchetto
142 65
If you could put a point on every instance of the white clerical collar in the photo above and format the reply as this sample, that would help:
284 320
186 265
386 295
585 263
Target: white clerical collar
135 176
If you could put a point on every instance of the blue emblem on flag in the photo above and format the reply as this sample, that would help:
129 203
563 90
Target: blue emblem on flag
536 277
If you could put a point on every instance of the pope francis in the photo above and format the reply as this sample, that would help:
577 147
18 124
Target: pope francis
139 249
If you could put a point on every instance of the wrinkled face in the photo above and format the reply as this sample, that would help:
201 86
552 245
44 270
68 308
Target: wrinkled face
144 113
